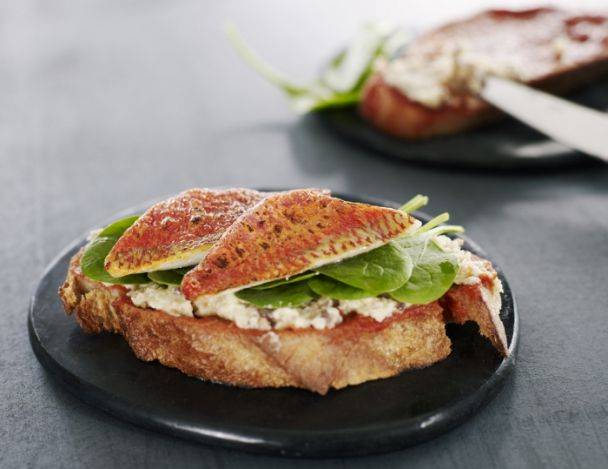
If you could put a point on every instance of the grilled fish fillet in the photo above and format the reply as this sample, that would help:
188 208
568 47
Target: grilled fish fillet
289 233
179 231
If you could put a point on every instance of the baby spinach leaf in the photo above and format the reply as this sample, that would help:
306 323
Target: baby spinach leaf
342 80
168 277
380 270
326 286
308 103
350 68
93 258
433 274
285 281
118 227
289 295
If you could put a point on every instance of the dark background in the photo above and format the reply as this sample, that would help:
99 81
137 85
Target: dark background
105 104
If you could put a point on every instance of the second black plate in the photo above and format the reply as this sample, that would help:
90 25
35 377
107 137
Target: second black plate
372 417
504 145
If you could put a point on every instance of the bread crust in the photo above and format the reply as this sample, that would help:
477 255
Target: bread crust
471 303
395 114
89 301
358 350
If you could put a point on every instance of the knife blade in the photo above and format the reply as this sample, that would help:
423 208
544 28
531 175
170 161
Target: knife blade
573 125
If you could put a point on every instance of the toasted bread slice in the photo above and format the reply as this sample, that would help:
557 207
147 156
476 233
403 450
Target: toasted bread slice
546 48
289 233
359 349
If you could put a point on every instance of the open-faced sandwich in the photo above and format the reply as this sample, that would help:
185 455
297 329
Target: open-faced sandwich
429 86
294 288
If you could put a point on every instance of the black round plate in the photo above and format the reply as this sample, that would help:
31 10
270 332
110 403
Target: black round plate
505 145
372 417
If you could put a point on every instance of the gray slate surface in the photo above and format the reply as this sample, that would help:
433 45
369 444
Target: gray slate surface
105 104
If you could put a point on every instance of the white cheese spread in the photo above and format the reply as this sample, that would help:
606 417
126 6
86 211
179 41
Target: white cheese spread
320 314
226 305
169 299
418 79
433 80
378 308
471 268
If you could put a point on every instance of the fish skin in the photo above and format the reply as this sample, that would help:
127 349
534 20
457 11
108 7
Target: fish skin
289 233
178 231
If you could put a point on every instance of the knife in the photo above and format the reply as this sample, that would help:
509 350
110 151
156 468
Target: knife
573 125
